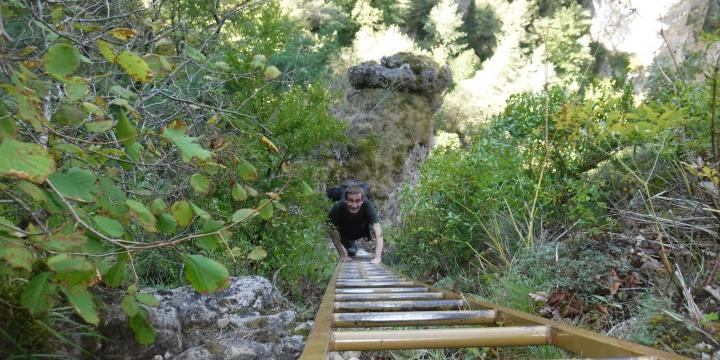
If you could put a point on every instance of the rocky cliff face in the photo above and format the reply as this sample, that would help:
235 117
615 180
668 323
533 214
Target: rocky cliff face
247 320
389 114
650 30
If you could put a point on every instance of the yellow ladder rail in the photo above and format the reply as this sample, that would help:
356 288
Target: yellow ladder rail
363 295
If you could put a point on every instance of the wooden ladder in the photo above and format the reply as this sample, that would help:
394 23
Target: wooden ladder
363 295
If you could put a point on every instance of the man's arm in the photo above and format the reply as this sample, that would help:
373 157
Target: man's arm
377 230
338 245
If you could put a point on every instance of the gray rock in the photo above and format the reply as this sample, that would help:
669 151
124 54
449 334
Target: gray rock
196 353
242 322
351 355
403 72
335 356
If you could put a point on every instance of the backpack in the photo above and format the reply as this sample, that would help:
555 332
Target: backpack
338 192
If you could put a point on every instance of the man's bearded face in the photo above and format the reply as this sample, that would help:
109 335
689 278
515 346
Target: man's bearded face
354 202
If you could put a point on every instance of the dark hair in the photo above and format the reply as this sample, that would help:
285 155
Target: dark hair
354 189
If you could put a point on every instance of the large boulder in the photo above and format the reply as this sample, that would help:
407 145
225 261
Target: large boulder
403 72
244 321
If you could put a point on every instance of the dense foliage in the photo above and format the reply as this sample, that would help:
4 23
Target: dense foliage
153 145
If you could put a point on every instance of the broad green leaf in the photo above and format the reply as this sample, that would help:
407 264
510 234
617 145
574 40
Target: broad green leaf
99 126
265 209
199 211
123 33
209 242
167 223
107 50
109 227
129 306
125 131
65 242
200 183
75 88
91 108
204 274
133 151
142 214
182 212
7 227
82 302
76 184
158 206
18 255
247 171
8 128
29 108
61 60
238 193
38 295
257 254
144 332
194 54
148 299
243 214
35 192
135 66
69 114
189 148
72 270
116 275
25 161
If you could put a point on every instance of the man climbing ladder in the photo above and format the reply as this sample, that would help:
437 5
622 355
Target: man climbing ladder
352 217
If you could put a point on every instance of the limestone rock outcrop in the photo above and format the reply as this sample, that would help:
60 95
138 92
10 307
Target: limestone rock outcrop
247 320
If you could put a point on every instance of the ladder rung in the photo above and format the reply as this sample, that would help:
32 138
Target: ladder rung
390 296
373 283
415 318
380 290
401 305
440 338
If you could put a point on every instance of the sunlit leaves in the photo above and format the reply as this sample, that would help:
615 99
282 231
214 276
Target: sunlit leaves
25 161
76 184
188 146
38 294
123 33
204 274
272 73
306 190
142 214
135 66
107 50
61 60
257 254
167 223
269 144
200 183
